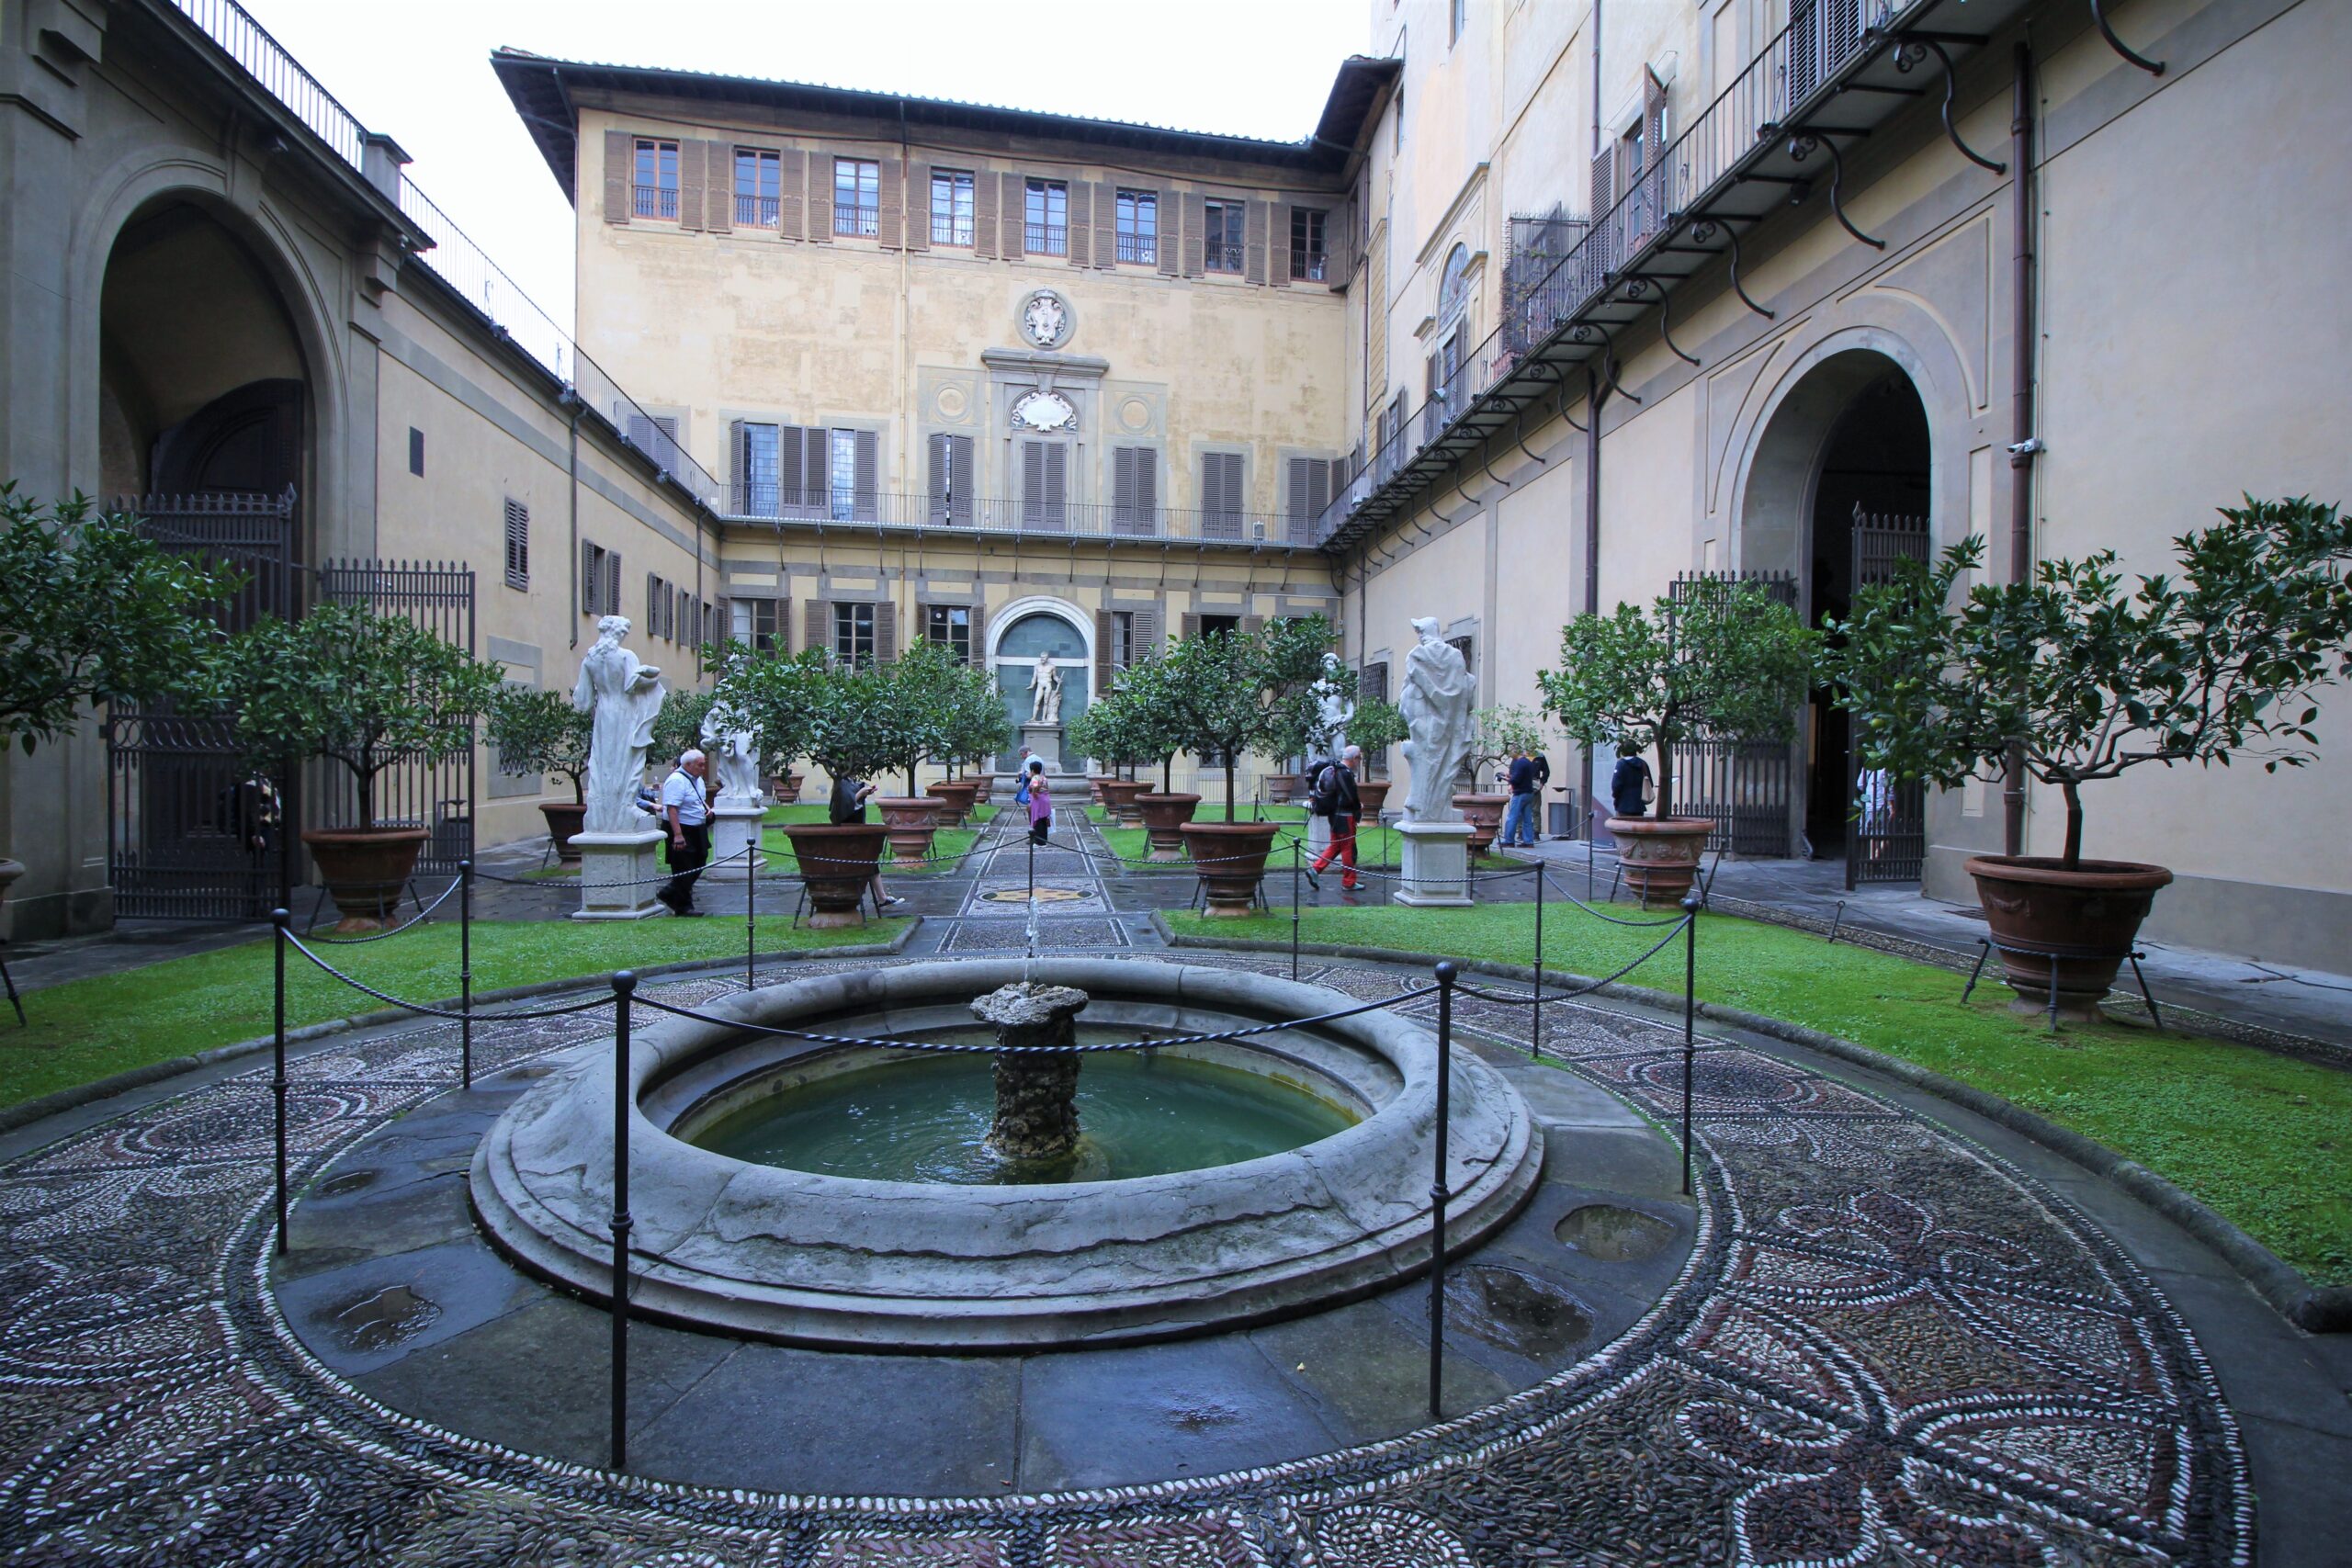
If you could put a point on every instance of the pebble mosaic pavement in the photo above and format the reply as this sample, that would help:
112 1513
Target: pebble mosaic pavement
1888 1347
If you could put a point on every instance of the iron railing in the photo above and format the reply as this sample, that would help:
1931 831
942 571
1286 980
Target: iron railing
657 202
1218 256
1046 239
756 211
767 502
1143 249
854 218
264 58
1817 43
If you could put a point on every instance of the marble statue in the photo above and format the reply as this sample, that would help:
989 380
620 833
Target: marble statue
1045 693
1332 710
624 695
1435 700
734 749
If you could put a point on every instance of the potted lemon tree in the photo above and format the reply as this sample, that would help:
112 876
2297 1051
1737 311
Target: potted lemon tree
1230 693
537 732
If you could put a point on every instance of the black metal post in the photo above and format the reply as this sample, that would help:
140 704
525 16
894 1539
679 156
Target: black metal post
14 1000
1689 1020
465 969
1535 1007
278 919
750 917
1033 868
1296 851
1591 828
624 983
1437 1194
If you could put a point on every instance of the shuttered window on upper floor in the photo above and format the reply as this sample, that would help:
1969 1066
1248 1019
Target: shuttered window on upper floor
656 183
1135 490
518 543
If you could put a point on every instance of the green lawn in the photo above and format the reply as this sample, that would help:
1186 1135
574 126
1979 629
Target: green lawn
2260 1137
945 841
89 1028
1375 847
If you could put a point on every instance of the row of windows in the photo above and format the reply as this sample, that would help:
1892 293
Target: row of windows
857 210
671 613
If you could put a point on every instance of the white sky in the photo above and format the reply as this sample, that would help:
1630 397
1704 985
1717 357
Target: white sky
419 73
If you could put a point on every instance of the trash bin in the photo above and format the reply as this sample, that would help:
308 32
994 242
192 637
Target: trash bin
453 831
1563 816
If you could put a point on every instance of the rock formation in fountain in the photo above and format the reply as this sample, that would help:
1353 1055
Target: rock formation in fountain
1036 1092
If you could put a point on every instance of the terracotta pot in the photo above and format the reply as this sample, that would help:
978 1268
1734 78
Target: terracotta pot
836 863
1119 800
563 820
2044 913
1232 857
1164 816
1485 815
1280 787
1372 795
912 821
1094 782
364 869
987 787
957 793
1660 853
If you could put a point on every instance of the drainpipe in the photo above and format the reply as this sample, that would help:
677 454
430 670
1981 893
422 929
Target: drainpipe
573 553
2021 354
1593 398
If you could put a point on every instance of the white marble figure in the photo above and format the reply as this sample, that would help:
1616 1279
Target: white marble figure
1435 700
624 695
1045 693
1332 712
734 749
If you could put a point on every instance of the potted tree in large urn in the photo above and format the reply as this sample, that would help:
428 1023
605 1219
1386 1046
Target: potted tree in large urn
1147 696
537 732
2077 677
842 708
1499 735
917 718
1729 662
1111 732
364 692
1374 727
1234 692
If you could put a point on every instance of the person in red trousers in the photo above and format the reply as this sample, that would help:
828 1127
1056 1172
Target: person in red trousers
1335 796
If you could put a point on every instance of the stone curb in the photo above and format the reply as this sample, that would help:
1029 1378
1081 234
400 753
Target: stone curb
12 1117
2315 1309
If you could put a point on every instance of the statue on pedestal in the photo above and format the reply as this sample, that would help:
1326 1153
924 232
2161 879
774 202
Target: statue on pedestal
1045 693
1435 700
734 749
1332 711
624 696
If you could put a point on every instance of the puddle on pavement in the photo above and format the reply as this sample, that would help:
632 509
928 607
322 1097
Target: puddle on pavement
385 1320
348 1182
1613 1234
1514 1312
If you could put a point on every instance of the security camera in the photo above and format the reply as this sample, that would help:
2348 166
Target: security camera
2026 447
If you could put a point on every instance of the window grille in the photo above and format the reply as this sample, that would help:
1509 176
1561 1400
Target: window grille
858 196
952 221
1138 226
1046 228
657 179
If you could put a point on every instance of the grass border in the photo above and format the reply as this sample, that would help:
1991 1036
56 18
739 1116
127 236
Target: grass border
2315 1309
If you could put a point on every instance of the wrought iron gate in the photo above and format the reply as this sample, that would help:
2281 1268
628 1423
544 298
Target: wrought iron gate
1888 842
1744 787
192 832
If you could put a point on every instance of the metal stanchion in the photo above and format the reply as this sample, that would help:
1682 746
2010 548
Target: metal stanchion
1437 1194
1032 869
624 983
1535 1006
278 919
466 971
1296 851
1689 1020
750 919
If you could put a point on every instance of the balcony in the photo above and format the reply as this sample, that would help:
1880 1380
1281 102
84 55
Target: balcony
1779 130
755 212
850 218
1143 249
1046 239
849 507
657 202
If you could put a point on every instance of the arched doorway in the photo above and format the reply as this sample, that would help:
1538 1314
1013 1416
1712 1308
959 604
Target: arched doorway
1025 633
1841 485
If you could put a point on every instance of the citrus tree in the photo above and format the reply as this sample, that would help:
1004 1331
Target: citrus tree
918 718
1375 727
1232 692
538 732
1499 735
774 693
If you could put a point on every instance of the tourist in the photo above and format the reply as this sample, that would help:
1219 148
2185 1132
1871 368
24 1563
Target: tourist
686 811
847 809
1631 788
1519 816
1542 777
1334 795
1041 801
1875 791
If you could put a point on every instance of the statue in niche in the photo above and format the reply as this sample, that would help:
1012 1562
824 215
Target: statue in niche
623 695
1045 693
1435 700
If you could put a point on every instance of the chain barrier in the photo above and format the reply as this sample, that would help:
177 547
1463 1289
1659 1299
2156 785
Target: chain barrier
418 918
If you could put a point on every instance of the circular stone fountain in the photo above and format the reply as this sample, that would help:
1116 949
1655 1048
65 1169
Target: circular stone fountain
974 1258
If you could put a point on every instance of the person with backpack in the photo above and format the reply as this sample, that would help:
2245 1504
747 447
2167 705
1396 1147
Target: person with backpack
1519 817
1334 796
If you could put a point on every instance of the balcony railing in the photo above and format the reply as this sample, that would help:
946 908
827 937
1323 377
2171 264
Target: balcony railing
1815 46
1308 265
657 202
1046 239
1143 249
754 501
755 212
852 219
1218 257
264 59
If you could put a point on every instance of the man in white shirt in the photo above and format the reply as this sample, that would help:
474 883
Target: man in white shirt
686 812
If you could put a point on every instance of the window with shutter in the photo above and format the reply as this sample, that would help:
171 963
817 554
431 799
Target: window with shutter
1135 490
1136 227
652 605
1045 230
1224 236
757 624
612 583
656 187
759 188
865 492
952 479
949 627
1307 255
1221 494
858 196
1307 492
518 543
592 579
853 633
952 210
1045 485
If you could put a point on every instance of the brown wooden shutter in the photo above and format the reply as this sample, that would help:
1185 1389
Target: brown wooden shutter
919 207
1168 220
1372 686
886 632
1191 624
790 477
816 624
693 186
620 172
590 571
1103 623
719 157
1081 222
793 173
1123 487
652 606
1106 225
889 215
1147 487
1604 180
611 596
1253 236
816 467
1278 247
980 633
1253 623
1016 215
866 480
944 491
820 197
1146 636
1196 227
1032 482
984 230
1295 487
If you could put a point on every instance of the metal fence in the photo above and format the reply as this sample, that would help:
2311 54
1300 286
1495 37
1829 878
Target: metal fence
264 58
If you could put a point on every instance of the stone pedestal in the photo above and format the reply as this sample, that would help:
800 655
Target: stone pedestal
1318 835
615 874
1036 1091
1046 741
1435 864
733 829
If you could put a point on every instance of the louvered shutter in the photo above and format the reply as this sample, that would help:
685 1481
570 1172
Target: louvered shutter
980 631
790 475
816 625
956 459
816 468
984 230
1372 685
1191 624
820 197
1102 626
1604 181
919 207
1294 489
1253 238
620 172
738 453
792 175
1278 247
1145 638
889 217
1106 225
944 492
518 545
1196 227
1147 490
866 480
1253 623
1016 217
590 578
1032 483
720 158
1122 488
693 187
1056 485
1167 220
886 632
612 583
1375 305
652 606
1081 222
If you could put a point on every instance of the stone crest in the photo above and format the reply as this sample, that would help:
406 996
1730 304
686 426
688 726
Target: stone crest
1046 412
1045 320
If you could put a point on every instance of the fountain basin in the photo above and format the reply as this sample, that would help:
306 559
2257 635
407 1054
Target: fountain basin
807 1256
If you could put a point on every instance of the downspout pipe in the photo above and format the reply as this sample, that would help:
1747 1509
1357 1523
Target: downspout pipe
1594 395
2023 446
573 532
